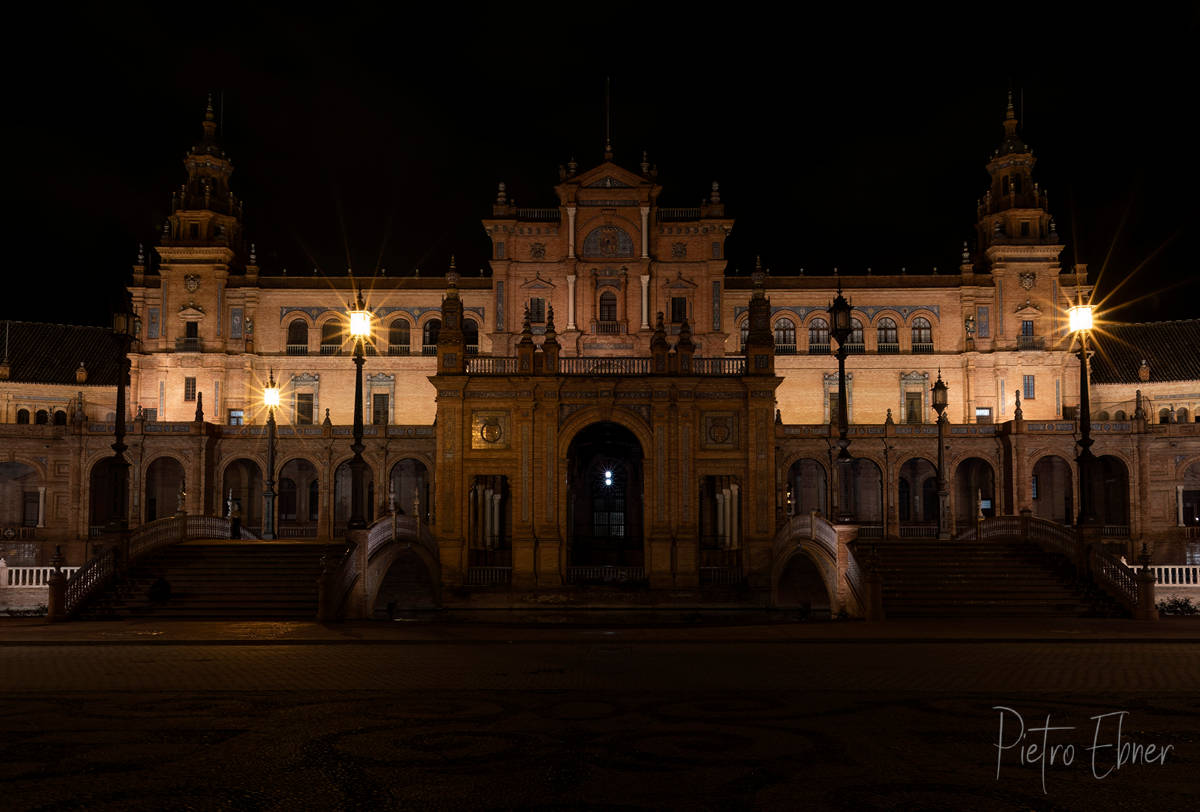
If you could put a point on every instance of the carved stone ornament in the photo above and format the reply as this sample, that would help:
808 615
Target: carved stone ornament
678 250
718 430
191 282
491 432
538 250
1028 280
969 326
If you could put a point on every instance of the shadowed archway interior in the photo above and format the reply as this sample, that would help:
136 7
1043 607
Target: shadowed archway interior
605 502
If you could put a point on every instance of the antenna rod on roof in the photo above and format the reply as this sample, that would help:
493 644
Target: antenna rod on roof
607 119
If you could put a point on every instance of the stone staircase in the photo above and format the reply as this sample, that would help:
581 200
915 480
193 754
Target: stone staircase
930 578
211 579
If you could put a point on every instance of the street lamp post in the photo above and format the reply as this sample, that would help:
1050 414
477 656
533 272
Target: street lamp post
119 466
1081 324
940 401
839 316
271 401
360 330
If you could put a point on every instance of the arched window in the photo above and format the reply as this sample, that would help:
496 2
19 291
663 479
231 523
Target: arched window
1164 416
785 337
1102 416
23 416
1120 415
608 307
818 337
314 499
744 333
922 335
60 418
429 337
42 417
331 337
297 338
855 343
888 341
471 336
1181 415
398 338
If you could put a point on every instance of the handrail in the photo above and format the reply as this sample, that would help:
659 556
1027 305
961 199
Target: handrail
1115 578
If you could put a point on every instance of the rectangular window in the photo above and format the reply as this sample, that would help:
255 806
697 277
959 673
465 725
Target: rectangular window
236 417
983 414
152 323
1035 486
985 329
833 407
1027 327
499 250
235 322
678 309
379 409
304 409
189 388
1024 228
537 310
912 407
191 329
1029 392
716 250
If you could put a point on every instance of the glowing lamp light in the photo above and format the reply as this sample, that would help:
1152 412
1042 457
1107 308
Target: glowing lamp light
271 396
360 323
1080 317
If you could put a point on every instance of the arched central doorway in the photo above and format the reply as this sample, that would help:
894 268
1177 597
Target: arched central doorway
605 502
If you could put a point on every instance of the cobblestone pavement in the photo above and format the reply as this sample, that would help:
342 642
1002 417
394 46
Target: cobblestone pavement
590 724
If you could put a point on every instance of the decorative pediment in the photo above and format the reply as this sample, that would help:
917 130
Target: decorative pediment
914 377
306 378
1028 308
381 378
191 312
608 182
538 283
680 283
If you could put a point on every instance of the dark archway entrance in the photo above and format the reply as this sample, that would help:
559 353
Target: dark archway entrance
410 486
164 482
298 501
974 489
605 497
407 585
916 500
807 488
103 488
1112 491
242 488
1051 490
342 482
801 587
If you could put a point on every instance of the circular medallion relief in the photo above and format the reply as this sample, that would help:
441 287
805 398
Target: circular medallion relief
490 431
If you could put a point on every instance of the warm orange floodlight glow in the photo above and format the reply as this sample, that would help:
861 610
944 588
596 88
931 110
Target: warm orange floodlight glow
1081 317
271 396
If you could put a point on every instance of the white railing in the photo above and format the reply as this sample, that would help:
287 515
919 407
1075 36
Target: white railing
918 531
1176 574
1115 578
29 576
488 576
605 572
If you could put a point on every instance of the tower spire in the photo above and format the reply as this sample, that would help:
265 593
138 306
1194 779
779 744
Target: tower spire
210 122
608 151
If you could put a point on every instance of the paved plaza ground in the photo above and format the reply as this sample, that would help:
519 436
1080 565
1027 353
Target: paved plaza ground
595 712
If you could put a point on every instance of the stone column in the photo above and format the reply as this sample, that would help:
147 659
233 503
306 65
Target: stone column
41 506
570 301
570 231
721 517
645 301
645 233
495 519
733 516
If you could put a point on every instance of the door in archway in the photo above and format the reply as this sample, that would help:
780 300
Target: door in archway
605 497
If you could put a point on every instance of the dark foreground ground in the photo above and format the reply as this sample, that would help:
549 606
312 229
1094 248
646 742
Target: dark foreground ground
164 716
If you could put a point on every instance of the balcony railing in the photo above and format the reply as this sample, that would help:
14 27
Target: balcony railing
1031 343
889 348
297 349
677 214
399 349
189 345
541 215
856 349
818 349
609 328
471 349
429 349
604 366
922 348
785 349
487 365
331 349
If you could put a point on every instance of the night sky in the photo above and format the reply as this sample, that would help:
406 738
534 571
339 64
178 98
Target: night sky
372 141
